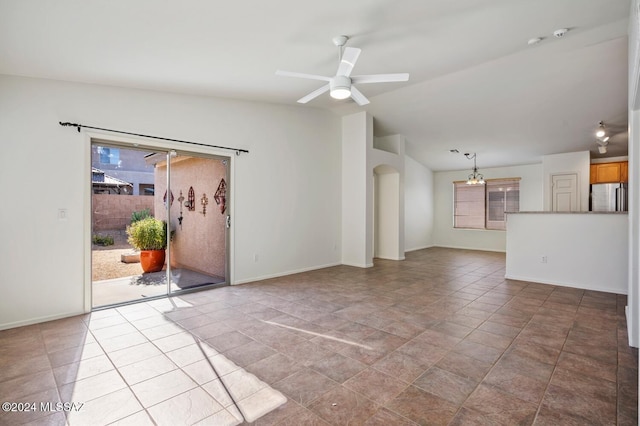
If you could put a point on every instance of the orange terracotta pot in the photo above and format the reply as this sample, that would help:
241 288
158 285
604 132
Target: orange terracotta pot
152 260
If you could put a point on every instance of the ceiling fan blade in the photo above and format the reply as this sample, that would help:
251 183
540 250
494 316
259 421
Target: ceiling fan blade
302 75
314 94
357 96
380 78
349 58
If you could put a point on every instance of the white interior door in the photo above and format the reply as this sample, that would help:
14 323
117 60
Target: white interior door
564 193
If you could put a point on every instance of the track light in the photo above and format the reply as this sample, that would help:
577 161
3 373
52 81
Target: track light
474 178
602 140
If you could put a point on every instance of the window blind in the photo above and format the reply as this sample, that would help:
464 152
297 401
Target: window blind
503 196
485 206
468 206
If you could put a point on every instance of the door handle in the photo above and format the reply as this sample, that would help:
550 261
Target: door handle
228 221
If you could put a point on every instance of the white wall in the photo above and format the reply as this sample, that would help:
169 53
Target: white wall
286 193
582 250
571 162
357 190
419 205
445 235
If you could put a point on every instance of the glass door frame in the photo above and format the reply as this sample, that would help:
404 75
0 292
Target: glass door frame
167 147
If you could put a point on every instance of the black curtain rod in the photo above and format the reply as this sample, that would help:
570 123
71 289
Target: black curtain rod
79 126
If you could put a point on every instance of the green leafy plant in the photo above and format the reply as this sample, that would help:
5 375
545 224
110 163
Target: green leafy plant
102 240
148 234
140 214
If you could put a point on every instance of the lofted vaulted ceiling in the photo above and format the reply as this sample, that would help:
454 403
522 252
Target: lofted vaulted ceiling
475 85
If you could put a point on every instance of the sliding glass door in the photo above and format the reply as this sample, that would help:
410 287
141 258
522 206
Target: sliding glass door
197 203
149 204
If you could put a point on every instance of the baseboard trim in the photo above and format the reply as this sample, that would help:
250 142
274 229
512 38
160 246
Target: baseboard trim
390 258
39 320
358 265
406 250
563 284
471 248
282 274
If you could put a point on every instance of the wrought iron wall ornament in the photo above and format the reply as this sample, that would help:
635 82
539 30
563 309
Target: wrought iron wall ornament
180 200
204 201
164 198
191 200
220 196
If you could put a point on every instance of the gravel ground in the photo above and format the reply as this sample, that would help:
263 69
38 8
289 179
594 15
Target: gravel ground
105 262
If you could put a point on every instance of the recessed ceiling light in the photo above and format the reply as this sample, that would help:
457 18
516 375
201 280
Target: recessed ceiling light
534 40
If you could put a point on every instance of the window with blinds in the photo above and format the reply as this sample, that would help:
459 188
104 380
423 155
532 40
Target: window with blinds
484 206
468 206
503 196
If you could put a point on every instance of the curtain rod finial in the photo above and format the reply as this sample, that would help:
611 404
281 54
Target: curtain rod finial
66 123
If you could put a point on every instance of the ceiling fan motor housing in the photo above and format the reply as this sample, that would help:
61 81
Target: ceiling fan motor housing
340 86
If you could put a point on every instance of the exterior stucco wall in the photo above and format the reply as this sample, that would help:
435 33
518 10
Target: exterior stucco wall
199 243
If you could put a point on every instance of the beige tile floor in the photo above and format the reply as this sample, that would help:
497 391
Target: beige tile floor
440 338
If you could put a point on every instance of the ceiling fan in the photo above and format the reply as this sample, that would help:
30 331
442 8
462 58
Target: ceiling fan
341 85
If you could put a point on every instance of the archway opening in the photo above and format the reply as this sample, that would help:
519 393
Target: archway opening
386 213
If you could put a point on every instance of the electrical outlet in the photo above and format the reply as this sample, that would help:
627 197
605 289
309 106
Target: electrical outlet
543 259
62 214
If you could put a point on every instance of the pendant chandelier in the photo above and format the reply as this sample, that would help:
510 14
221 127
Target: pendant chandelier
474 178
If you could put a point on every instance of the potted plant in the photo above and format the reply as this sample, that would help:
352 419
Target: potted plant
149 235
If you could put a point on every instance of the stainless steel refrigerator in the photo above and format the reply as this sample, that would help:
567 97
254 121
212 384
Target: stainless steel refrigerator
608 197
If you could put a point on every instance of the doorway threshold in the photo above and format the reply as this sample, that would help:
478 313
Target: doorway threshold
148 286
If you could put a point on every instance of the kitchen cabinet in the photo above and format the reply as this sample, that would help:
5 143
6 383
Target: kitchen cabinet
615 172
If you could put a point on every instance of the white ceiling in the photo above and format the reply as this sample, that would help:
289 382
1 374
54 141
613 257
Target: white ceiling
475 84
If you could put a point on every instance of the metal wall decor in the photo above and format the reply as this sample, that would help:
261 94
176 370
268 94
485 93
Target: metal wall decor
204 201
220 196
164 198
180 200
191 200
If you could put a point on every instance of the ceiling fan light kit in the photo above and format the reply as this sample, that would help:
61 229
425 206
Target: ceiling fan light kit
341 85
